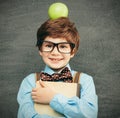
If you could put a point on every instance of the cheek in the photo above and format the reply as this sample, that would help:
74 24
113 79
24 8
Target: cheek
67 57
42 54
45 59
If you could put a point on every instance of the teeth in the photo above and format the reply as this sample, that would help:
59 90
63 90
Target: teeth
55 59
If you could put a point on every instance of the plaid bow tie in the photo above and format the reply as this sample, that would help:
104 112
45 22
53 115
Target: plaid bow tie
65 76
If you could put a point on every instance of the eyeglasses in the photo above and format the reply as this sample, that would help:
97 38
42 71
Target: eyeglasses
63 47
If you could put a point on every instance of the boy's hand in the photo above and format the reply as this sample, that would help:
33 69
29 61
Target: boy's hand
42 93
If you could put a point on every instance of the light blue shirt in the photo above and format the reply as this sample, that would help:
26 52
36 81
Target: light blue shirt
84 107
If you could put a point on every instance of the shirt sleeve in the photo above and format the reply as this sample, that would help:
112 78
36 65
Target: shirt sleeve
84 107
26 104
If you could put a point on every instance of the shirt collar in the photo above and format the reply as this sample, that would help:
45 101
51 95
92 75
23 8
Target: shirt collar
50 71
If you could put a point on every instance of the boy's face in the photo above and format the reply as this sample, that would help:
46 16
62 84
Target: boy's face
55 59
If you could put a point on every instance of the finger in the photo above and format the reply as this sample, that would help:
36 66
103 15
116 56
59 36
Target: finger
34 90
33 97
36 101
33 93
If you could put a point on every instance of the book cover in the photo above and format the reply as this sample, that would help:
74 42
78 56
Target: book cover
67 89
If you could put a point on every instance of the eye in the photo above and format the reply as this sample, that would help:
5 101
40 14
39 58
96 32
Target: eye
64 46
48 45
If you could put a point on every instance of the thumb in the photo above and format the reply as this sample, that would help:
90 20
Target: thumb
42 83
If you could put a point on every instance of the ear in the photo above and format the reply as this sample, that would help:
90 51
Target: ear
72 55
40 53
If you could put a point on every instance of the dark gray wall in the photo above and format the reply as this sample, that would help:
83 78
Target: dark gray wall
98 22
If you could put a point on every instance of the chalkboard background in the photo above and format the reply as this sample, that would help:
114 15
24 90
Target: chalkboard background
98 22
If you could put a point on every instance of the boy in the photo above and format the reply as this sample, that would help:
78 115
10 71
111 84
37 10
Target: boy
58 42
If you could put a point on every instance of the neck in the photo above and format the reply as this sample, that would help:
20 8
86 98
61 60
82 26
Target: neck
58 69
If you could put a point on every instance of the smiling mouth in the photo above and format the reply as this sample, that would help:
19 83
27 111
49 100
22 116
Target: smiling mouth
54 59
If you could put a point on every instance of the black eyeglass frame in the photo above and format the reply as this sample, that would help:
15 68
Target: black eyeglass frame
72 45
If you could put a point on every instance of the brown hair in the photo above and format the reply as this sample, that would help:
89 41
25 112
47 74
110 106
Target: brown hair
62 28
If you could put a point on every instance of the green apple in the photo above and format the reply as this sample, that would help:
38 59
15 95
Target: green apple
57 10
